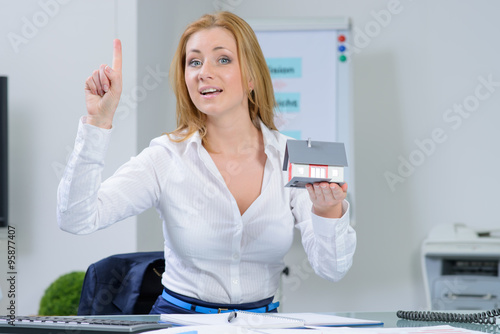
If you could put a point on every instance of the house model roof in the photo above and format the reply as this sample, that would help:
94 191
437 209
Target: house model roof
320 153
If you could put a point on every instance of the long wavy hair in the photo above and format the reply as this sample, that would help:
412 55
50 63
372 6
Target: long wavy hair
261 102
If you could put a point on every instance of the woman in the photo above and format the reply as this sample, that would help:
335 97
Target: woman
216 180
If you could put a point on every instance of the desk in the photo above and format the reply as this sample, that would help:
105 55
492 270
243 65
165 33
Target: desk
389 319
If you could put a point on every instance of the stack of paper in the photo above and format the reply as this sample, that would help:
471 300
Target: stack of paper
319 319
242 319
227 329
266 320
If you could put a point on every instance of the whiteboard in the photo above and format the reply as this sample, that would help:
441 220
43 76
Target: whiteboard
310 68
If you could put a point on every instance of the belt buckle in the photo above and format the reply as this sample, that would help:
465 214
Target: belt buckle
222 309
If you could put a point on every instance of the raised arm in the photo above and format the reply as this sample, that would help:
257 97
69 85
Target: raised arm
82 204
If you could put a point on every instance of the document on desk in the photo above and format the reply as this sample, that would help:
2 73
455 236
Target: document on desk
240 319
227 329
320 319
267 320
443 329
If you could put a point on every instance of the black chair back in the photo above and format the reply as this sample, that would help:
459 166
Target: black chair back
122 284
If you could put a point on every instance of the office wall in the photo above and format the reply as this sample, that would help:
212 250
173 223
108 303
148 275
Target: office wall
158 32
48 48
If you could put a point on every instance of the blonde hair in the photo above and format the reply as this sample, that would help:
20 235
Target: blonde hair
253 66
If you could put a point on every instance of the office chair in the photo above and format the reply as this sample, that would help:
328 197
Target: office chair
122 284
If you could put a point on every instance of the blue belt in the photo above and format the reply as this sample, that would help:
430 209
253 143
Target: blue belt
203 309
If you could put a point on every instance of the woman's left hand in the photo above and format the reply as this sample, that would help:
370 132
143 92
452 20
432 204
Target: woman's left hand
327 198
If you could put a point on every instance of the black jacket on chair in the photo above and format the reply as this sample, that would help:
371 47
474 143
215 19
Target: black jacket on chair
122 284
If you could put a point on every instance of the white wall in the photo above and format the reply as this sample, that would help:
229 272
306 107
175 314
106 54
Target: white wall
409 69
156 33
46 74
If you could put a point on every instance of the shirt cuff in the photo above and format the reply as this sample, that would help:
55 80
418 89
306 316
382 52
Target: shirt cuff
92 141
330 227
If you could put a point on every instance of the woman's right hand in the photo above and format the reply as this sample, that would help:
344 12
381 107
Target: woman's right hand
103 89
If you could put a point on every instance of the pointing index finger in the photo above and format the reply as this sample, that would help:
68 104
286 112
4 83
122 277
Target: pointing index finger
117 55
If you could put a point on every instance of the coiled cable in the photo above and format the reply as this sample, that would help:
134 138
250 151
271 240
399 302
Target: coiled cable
486 317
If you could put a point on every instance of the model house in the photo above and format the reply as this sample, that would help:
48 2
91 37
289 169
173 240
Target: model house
310 161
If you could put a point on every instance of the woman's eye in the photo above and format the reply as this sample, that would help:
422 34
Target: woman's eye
194 63
224 60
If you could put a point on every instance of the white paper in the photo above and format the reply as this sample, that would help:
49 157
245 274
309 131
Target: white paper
205 329
444 329
318 319
243 319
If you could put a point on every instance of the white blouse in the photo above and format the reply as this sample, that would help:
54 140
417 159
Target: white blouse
212 252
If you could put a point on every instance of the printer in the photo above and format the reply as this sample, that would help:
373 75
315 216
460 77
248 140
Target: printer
461 268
